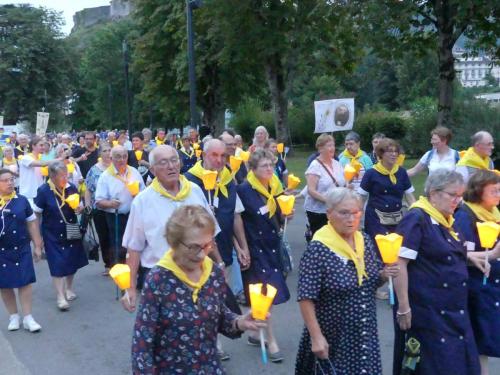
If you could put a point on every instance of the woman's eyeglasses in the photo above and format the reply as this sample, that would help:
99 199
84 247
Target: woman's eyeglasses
195 248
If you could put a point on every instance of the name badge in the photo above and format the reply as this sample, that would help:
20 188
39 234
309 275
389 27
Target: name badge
215 202
264 210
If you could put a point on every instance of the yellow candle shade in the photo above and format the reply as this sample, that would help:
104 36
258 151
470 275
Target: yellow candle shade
235 163
44 171
20 157
209 179
115 143
488 233
120 273
99 159
349 172
73 201
71 167
261 303
196 146
462 153
245 155
496 171
389 246
138 154
400 160
286 203
293 181
198 153
7 140
133 188
280 147
356 165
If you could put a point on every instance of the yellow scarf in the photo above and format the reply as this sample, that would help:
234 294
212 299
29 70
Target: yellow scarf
349 156
425 205
4 199
168 263
391 173
159 141
191 153
62 196
223 178
7 162
473 160
483 214
329 237
276 189
112 171
180 196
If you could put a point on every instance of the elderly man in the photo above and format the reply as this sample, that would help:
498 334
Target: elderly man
23 147
478 156
231 147
144 235
114 194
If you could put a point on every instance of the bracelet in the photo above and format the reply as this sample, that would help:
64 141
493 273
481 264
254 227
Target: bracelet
404 313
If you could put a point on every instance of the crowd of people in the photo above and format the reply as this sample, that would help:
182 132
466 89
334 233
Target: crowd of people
193 250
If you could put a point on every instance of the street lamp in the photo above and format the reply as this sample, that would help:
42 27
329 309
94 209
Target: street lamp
190 6
127 93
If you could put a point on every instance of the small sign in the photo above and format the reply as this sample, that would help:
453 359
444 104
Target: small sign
334 115
42 121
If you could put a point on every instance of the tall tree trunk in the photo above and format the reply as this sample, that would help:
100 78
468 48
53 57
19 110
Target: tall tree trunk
276 80
212 102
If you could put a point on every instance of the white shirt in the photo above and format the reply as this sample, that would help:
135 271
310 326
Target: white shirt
145 231
436 161
30 178
325 184
110 187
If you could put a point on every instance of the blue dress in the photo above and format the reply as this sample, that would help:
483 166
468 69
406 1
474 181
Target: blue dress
346 312
263 242
383 196
484 300
437 292
64 256
280 169
16 261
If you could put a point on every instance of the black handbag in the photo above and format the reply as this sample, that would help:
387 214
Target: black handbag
90 244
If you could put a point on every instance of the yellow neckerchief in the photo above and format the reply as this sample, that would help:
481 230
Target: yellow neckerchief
425 205
7 162
113 172
62 196
391 173
23 151
473 160
4 199
276 189
159 141
329 237
191 153
349 156
168 263
183 193
483 214
224 177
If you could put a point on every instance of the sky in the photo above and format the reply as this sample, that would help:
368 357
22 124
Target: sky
68 7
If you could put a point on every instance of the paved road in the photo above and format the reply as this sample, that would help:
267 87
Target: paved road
94 336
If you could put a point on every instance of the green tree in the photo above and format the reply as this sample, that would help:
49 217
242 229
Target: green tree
35 64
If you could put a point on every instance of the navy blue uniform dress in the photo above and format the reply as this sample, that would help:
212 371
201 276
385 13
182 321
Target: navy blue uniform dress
346 311
188 160
484 300
16 261
437 292
241 175
64 256
264 242
383 196
280 169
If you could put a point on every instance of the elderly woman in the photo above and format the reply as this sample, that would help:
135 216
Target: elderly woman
61 232
63 152
432 285
353 155
182 303
323 174
261 135
99 216
280 166
481 200
440 156
19 226
384 186
338 276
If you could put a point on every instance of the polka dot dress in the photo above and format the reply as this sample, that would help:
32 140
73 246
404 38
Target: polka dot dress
346 312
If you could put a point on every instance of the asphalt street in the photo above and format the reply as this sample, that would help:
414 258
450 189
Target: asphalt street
94 336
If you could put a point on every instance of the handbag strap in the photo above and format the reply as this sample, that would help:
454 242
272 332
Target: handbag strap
317 365
329 173
59 207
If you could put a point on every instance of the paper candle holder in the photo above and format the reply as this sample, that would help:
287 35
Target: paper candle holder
280 147
133 188
293 182
244 155
70 167
349 172
461 153
73 201
356 165
197 153
261 303
44 171
209 179
196 146
286 203
401 159
138 154
120 273
389 246
488 233
235 163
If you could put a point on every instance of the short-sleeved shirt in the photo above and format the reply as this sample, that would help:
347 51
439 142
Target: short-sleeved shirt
30 178
433 161
85 165
325 184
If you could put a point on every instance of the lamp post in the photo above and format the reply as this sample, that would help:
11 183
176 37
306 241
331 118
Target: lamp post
127 93
190 6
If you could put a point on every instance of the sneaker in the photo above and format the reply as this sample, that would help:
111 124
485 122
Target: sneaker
31 325
13 322
62 304
70 295
223 356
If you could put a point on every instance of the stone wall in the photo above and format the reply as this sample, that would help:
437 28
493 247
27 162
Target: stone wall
89 17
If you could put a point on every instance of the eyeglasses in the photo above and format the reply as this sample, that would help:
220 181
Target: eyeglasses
392 152
453 196
165 162
345 214
265 166
119 157
10 179
195 248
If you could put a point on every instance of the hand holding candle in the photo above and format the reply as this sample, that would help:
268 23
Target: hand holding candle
120 273
73 201
389 246
286 203
349 172
488 234
261 303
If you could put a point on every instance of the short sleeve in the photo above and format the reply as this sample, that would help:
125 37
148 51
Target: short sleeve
101 191
365 185
134 237
28 211
311 272
411 230
314 169
406 183
425 159
40 200
26 161
239 208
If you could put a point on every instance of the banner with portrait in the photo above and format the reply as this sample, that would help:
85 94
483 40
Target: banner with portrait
333 115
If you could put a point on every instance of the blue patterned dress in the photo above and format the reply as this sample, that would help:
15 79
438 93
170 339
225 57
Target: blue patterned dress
174 335
346 312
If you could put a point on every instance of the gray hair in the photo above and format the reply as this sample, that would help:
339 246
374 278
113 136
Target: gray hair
353 136
57 167
118 149
478 137
153 154
60 147
8 147
440 179
147 131
22 136
212 143
340 194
